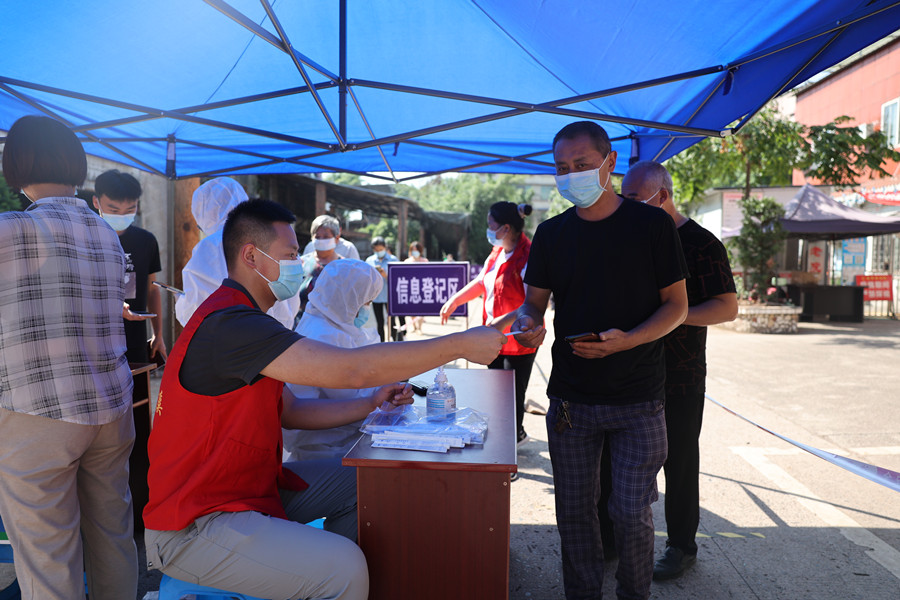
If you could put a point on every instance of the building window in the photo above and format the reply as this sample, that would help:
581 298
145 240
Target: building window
890 120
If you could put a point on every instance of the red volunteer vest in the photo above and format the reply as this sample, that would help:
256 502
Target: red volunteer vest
214 453
509 291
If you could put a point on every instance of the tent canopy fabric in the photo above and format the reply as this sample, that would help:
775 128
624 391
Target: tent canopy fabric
205 87
813 215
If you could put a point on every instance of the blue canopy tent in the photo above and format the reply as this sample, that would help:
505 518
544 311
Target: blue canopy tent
188 87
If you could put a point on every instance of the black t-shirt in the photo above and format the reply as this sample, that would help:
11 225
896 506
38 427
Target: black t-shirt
231 346
606 274
710 272
141 260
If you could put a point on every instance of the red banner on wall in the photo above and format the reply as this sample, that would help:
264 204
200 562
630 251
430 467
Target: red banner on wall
878 287
882 197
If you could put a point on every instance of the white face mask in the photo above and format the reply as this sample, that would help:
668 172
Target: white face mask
415 254
325 244
492 238
583 188
119 222
647 201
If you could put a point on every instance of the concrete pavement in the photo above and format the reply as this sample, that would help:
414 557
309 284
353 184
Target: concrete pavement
776 522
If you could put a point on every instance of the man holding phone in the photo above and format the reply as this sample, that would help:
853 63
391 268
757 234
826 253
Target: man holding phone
616 271
116 197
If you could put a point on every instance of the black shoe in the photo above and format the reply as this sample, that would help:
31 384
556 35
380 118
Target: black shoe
522 437
672 564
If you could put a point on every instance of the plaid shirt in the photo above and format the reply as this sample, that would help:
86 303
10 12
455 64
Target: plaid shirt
62 342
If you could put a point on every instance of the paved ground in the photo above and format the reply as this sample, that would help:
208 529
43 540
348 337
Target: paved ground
776 522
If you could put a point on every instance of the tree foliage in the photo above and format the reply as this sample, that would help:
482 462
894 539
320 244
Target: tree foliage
763 153
9 200
769 147
841 155
760 239
343 178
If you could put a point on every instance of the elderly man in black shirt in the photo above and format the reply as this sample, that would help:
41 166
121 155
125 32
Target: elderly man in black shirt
711 299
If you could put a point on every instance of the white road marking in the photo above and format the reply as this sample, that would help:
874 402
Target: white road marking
878 550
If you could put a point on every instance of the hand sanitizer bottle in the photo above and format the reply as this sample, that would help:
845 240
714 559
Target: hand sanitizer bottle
440 401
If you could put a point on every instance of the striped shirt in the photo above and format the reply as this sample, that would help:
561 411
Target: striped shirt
62 342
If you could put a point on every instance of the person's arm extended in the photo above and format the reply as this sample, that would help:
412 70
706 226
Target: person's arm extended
530 315
503 321
472 290
154 305
718 309
308 362
671 313
324 413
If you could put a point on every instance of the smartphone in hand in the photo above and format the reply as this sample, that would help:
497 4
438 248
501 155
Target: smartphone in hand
582 337
169 288
419 388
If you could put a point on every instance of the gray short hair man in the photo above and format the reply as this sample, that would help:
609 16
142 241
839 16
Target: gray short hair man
711 299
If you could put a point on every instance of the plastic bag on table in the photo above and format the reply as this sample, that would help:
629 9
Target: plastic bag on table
467 423
388 416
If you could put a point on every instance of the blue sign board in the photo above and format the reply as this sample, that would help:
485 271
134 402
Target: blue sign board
420 289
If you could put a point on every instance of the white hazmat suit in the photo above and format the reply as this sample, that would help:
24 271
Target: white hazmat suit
206 269
342 292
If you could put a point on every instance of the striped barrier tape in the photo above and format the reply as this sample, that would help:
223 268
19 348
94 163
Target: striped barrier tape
886 477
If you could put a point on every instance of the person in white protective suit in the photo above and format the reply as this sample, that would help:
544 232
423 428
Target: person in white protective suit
204 272
339 312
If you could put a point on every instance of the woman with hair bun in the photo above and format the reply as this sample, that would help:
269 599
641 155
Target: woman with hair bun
500 281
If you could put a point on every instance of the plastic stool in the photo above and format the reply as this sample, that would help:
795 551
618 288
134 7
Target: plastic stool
175 589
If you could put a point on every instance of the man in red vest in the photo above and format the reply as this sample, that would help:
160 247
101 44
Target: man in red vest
223 511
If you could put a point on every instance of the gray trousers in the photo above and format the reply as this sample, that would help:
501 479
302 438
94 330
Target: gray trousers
66 506
266 557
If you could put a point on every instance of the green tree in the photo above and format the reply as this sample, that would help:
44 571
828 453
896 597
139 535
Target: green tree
760 239
769 147
697 169
840 155
764 152
9 200
344 179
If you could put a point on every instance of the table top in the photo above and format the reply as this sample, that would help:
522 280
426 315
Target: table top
491 391
138 368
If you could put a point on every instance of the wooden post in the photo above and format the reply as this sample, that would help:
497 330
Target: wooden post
402 224
184 233
321 198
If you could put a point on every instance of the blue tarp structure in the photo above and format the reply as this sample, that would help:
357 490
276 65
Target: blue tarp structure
191 87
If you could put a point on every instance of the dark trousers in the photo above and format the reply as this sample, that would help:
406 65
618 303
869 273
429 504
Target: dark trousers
380 310
684 417
521 365
637 444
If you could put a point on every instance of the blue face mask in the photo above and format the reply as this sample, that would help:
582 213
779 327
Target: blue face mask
583 188
380 253
362 317
290 277
119 222
492 237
